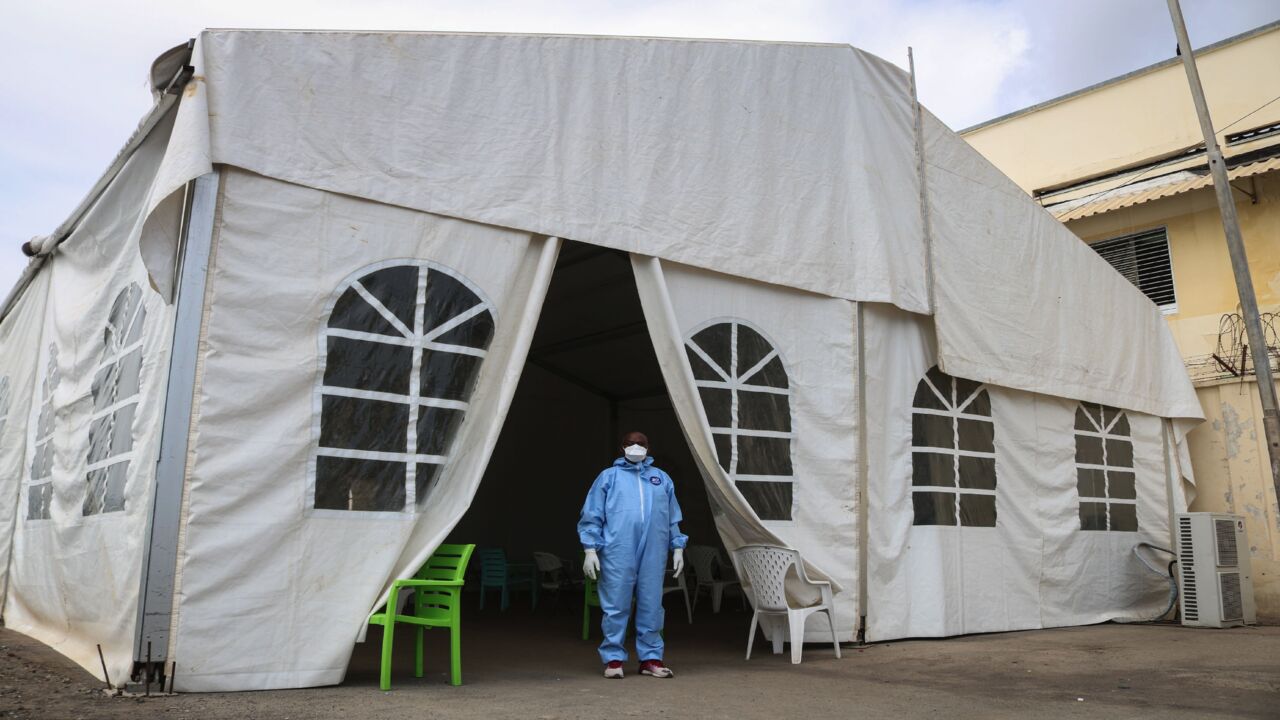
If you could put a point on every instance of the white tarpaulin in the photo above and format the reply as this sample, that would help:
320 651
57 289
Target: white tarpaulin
763 380
384 237
1029 563
338 436
99 344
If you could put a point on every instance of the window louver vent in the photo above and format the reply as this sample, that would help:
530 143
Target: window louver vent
1225 534
1251 134
1232 603
1143 259
1190 597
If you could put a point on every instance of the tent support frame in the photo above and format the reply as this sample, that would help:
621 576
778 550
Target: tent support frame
864 533
160 554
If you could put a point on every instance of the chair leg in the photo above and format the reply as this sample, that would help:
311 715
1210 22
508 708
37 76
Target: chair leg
751 636
834 640
717 591
795 620
455 649
696 592
388 634
417 652
777 638
688 609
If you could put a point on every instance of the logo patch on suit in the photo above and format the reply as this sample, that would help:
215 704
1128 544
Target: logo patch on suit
655 480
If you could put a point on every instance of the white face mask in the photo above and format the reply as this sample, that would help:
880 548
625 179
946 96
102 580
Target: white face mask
635 453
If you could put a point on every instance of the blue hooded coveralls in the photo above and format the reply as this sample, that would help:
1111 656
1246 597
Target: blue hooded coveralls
631 519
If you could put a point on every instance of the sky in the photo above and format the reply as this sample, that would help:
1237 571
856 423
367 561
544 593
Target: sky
73 74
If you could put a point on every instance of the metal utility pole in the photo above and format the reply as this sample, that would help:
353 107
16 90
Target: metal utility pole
1235 246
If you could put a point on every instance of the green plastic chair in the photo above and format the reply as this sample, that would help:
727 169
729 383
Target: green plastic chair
437 602
590 599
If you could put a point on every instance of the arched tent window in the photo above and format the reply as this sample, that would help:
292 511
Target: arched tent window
402 347
747 400
1104 469
953 461
40 486
115 400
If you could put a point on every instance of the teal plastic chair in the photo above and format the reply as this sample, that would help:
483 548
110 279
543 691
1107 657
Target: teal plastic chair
496 572
437 602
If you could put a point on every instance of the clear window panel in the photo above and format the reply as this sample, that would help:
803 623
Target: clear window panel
1091 482
763 411
936 469
1093 516
1088 450
353 484
763 455
1124 517
927 398
932 431
448 376
1121 485
718 404
701 370
436 428
770 500
446 299
978 473
1083 422
771 375
933 508
977 435
368 365
724 449
752 348
977 510
353 312
396 288
1119 453
360 424
715 341
1121 427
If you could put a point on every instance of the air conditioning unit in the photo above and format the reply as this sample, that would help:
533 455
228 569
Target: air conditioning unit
1215 579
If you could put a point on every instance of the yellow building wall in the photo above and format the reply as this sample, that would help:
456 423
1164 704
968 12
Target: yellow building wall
1228 451
1233 475
1135 119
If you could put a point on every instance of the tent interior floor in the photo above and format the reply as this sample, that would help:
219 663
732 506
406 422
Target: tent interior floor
546 645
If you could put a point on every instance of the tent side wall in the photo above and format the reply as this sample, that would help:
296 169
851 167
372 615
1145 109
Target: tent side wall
1039 558
87 464
357 360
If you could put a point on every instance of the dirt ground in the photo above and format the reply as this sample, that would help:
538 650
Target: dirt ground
520 664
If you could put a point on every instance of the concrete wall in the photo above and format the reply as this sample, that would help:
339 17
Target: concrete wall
1233 475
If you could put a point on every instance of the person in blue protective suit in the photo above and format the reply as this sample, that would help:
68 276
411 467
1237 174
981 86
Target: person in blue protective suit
628 523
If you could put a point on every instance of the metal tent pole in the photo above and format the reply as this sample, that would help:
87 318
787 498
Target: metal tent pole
1235 247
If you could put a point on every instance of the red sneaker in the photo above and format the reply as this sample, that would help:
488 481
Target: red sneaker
613 670
655 668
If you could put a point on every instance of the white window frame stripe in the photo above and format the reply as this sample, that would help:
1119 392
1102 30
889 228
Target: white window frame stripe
393 397
739 432
744 377
382 310
710 363
415 391
448 325
111 409
109 461
955 412
383 455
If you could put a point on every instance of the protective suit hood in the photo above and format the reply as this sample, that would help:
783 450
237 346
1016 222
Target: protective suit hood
622 462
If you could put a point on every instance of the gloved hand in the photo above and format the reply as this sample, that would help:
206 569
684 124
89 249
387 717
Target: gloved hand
677 561
591 565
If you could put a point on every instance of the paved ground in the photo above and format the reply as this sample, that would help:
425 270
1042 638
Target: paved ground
532 666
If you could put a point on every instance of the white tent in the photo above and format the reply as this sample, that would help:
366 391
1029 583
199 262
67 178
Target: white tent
262 369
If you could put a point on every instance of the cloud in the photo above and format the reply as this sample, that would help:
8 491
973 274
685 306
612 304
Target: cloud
76 71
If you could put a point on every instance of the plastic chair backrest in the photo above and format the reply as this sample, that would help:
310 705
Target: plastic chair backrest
448 562
703 559
766 567
547 562
493 565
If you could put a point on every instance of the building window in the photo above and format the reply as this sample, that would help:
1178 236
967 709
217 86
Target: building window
402 347
1143 259
115 402
747 401
953 460
39 482
1104 469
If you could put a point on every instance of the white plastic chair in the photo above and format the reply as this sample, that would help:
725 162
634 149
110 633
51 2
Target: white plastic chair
708 573
551 574
766 568
679 586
